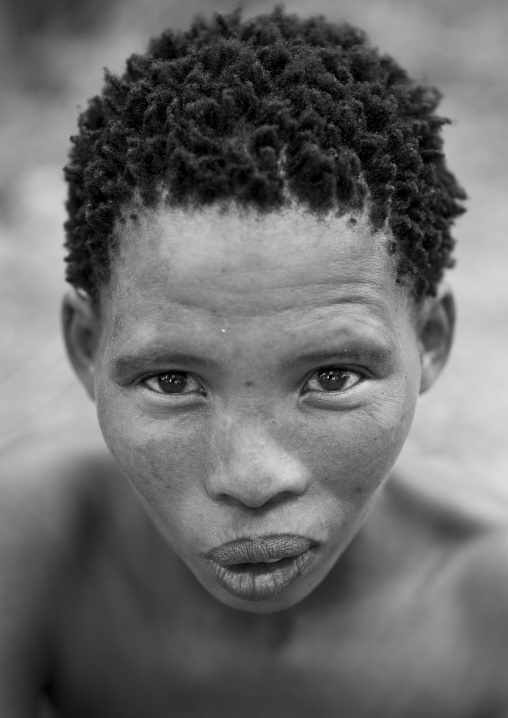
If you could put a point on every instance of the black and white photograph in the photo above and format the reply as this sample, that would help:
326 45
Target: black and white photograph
253 351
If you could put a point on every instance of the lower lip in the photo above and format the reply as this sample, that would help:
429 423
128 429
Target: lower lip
260 581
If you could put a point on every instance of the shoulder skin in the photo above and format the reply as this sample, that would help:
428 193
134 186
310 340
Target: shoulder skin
472 520
45 488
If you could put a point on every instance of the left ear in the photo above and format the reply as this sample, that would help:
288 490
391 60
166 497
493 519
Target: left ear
436 324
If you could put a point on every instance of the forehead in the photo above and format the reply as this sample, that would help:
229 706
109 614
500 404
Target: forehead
237 264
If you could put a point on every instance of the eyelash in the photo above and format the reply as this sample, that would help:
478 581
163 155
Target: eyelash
340 370
201 391
188 377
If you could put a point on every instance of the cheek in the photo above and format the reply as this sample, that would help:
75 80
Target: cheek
162 458
353 452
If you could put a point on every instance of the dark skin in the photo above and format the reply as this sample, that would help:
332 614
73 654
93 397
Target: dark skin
107 601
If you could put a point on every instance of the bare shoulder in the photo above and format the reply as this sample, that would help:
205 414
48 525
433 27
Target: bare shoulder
467 517
470 520
480 578
46 488
447 497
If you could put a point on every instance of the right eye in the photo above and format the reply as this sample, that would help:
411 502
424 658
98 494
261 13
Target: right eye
174 382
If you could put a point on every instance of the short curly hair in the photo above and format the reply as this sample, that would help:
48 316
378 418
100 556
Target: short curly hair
264 112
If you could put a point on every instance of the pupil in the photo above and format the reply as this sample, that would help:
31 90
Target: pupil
332 379
172 383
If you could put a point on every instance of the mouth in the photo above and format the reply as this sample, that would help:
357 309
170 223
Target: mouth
257 569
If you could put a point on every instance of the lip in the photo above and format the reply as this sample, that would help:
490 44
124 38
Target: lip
257 569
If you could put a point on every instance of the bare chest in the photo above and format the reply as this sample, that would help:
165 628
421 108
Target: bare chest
121 655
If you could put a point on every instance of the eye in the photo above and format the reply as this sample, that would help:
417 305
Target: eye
174 382
333 380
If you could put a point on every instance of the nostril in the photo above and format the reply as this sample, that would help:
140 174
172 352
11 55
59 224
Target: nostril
254 501
282 497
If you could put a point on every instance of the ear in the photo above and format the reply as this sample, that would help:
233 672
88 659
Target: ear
81 330
436 324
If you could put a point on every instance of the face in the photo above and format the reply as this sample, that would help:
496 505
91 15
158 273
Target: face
255 379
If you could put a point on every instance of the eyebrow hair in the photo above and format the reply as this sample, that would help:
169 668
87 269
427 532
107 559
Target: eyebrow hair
126 366
354 353
129 364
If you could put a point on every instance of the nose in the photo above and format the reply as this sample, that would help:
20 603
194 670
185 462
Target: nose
254 469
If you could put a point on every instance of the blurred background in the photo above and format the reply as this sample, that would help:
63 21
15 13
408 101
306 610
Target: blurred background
52 55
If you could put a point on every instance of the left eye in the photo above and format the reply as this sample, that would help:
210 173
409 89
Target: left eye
333 380
174 382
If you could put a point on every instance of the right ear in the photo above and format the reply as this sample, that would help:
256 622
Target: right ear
81 330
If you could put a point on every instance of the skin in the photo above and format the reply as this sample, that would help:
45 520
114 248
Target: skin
251 300
402 608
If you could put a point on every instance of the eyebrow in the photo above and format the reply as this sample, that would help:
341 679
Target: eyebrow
354 352
128 365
